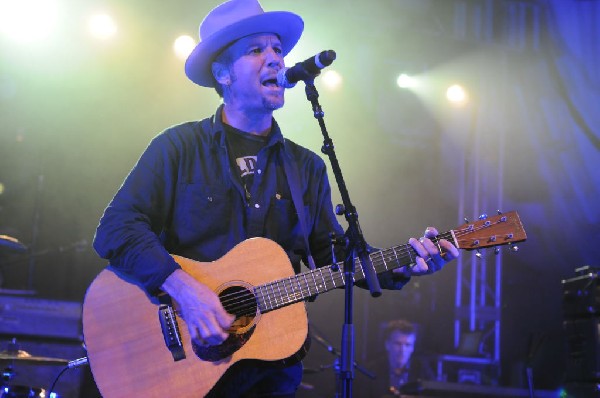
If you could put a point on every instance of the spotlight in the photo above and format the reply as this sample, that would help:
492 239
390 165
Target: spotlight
102 26
406 81
183 46
456 94
331 79
28 20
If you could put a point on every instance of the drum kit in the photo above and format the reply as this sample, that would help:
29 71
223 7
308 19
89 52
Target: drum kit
13 357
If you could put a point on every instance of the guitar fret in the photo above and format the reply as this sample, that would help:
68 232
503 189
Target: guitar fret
294 294
281 296
383 259
312 273
259 298
291 295
307 287
269 305
396 255
386 259
271 298
273 291
285 296
323 279
331 276
410 255
360 267
300 287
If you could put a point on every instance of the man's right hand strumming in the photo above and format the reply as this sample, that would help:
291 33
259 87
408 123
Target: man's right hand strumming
206 318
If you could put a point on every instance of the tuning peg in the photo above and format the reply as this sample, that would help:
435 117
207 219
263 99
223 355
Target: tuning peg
513 247
499 212
496 250
478 254
466 220
483 216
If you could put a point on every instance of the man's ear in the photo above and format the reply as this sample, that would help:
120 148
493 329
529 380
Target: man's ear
221 73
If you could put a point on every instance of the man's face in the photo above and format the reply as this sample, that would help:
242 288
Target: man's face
400 347
253 74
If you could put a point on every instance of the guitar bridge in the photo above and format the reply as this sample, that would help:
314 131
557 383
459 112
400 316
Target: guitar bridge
170 331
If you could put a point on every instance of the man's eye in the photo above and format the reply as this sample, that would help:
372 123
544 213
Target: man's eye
278 50
255 50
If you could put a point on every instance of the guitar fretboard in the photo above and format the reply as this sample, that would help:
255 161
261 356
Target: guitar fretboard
299 287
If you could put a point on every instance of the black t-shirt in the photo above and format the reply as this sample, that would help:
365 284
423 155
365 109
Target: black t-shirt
243 152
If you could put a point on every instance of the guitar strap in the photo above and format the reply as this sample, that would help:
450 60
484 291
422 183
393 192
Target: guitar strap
293 178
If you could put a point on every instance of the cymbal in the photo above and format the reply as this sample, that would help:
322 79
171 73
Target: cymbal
12 243
24 356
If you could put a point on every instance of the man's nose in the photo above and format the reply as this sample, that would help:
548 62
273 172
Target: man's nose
274 58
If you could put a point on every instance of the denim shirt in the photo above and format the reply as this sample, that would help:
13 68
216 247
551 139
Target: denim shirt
182 197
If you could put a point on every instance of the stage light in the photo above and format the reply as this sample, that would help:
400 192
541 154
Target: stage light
183 46
456 94
406 81
331 79
102 26
28 20
1 188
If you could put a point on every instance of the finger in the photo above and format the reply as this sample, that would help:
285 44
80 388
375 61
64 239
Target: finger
217 334
450 250
225 319
421 266
419 247
194 333
430 249
430 232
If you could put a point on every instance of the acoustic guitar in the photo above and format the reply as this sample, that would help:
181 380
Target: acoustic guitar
138 346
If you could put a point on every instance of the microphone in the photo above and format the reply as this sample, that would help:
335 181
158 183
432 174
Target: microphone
305 70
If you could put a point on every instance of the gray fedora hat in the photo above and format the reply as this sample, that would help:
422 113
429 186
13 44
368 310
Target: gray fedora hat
231 21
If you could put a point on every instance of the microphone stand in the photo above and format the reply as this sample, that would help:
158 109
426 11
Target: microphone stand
357 248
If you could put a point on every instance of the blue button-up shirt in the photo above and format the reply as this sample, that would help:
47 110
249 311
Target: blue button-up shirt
183 197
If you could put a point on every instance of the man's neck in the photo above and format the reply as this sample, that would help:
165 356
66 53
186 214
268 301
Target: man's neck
251 123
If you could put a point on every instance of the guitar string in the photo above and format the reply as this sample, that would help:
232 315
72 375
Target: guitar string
280 299
233 299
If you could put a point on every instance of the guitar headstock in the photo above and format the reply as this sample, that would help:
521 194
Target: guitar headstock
502 229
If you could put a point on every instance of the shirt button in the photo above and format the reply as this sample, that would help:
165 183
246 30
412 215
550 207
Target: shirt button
259 171
256 205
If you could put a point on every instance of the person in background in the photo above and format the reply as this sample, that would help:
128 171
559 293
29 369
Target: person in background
397 370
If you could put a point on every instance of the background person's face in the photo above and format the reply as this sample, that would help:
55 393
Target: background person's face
400 347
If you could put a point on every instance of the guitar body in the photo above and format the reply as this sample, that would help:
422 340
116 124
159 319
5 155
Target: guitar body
126 349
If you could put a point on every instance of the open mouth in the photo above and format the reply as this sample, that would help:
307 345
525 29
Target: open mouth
270 83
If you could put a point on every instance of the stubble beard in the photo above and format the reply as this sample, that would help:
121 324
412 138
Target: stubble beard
273 104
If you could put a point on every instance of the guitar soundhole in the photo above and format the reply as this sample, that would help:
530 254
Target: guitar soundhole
240 301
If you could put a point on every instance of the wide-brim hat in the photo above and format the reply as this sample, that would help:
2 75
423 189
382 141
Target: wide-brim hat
231 21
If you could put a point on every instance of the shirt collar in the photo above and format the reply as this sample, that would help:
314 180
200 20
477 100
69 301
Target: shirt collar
218 132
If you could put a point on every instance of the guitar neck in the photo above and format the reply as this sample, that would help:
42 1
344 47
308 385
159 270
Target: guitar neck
297 288
502 229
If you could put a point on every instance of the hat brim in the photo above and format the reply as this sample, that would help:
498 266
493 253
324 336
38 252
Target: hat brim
288 26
